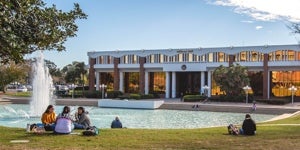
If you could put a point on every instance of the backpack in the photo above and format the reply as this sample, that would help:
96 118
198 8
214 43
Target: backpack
232 129
91 130
63 126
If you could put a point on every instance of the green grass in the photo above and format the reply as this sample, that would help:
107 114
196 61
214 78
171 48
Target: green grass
19 94
268 137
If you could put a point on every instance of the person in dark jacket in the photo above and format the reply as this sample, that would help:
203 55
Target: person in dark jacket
116 123
82 120
249 126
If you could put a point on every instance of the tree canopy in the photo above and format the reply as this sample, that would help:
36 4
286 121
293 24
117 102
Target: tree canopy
74 73
27 26
12 72
231 79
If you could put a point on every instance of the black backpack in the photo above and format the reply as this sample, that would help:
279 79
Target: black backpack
91 130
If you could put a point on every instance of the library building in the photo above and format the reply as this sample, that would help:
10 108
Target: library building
272 69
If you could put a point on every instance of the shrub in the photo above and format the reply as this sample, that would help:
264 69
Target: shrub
92 94
114 94
147 96
274 101
134 96
193 98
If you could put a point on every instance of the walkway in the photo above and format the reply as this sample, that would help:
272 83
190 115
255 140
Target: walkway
176 104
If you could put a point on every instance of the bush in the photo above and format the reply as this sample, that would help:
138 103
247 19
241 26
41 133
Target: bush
193 98
274 101
157 94
134 96
114 94
237 98
147 96
92 94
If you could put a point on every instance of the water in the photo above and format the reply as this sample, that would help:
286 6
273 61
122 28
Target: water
134 118
41 87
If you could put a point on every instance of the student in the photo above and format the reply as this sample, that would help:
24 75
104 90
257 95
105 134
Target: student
116 123
249 126
48 118
64 123
82 120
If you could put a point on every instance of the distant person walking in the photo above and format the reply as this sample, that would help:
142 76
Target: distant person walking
116 123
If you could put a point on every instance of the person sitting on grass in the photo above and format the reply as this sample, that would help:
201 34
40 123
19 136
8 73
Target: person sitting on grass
48 118
64 123
116 123
82 120
248 127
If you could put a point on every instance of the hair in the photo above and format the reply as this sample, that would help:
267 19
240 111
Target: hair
66 110
117 118
49 107
81 108
247 116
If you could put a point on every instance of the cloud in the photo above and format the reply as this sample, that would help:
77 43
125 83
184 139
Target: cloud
258 27
247 21
264 10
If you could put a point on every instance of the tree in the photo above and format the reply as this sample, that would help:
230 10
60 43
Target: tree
12 72
28 26
53 70
75 72
231 79
295 27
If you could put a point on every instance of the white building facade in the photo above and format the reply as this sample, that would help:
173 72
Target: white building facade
174 71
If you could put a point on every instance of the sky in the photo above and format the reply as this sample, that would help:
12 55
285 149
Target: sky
159 24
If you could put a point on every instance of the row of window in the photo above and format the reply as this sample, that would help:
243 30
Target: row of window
247 56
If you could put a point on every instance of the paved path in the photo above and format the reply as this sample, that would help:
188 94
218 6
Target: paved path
176 104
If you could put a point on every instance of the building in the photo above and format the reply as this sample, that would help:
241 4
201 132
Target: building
273 69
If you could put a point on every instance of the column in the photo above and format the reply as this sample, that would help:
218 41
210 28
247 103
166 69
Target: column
202 81
266 81
167 84
142 75
173 84
116 74
92 62
121 88
97 80
146 82
209 83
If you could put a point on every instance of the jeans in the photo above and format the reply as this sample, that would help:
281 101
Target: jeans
78 126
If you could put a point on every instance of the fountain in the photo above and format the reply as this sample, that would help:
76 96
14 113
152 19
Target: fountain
41 87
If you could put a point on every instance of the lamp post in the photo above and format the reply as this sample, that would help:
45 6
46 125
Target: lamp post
102 87
293 89
247 89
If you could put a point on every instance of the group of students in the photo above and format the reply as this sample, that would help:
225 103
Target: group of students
64 123
248 127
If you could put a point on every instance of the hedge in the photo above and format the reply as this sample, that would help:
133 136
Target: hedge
193 98
274 101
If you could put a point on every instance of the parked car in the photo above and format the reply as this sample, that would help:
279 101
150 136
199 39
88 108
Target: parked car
22 88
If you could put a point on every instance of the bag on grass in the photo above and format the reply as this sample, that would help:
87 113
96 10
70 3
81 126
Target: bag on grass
91 131
232 129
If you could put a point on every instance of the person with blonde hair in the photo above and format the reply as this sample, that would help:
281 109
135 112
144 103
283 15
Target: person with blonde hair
116 123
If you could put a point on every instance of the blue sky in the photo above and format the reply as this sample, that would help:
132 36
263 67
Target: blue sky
156 24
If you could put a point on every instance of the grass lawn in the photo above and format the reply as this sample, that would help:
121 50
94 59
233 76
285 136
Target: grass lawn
19 94
268 137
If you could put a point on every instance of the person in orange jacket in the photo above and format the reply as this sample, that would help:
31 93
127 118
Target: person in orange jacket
49 118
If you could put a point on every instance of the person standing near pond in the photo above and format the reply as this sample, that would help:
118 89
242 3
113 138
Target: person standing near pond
49 118
82 120
249 126
116 123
